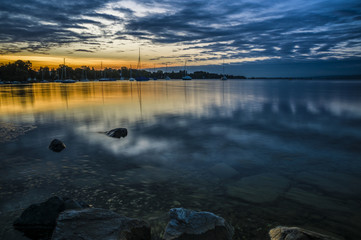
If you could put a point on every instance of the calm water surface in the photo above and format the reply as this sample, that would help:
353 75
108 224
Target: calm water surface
259 153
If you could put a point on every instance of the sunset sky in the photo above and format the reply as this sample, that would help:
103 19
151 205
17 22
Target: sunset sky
254 37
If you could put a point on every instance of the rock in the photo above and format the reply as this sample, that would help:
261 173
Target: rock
186 224
72 204
223 171
96 223
57 145
148 174
117 133
10 131
259 188
38 220
295 233
176 203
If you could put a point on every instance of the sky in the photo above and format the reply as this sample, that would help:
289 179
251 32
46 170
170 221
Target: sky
266 38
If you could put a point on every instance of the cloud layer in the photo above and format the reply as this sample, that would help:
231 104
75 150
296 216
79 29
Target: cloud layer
210 30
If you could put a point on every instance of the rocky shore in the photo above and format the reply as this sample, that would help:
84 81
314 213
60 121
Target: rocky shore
10 131
63 218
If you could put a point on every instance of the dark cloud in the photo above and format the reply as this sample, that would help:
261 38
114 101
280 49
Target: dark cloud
40 25
83 50
296 30
289 30
104 16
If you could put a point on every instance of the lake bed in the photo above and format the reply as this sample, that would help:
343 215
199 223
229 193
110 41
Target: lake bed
260 153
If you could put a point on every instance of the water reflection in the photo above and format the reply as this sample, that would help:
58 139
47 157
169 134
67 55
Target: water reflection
250 96
280 152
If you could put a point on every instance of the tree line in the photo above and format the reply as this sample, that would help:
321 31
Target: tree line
22 71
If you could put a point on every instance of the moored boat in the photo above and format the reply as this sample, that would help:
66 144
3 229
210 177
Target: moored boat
223 78
106 79
186 77
140 78
68 81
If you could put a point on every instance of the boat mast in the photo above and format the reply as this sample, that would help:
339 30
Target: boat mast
185 68
223 67
64 70
139 65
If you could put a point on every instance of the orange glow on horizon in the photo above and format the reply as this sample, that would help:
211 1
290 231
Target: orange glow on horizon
76 62
54 62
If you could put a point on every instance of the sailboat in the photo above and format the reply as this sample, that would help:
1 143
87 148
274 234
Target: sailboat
130 74
139 77
42 77
58 80
104 78
84 77
223 78
121 74
186 77
154 73
166 69
66 80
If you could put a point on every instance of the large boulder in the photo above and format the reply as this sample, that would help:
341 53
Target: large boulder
117 133
96 223
57 146
38 220
295 233
186 224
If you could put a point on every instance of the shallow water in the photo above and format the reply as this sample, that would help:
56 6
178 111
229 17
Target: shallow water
260 153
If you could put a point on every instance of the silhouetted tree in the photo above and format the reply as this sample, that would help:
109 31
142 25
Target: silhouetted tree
17 71
22 71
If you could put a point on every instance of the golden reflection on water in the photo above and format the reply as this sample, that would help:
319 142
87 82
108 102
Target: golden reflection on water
56 96
130 98
135 100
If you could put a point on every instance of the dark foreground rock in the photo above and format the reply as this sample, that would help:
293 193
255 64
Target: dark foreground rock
57 146
117 133
38 220
186 224
295 233
95 223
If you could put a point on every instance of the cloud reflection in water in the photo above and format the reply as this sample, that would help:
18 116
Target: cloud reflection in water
210 138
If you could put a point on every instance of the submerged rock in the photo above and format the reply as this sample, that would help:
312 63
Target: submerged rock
316 200
223 171
295 233
96 223
57 146
38 220
259 188
117 133
332 182
10 131
186 224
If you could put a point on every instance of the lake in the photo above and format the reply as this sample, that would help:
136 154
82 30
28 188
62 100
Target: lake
260 153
